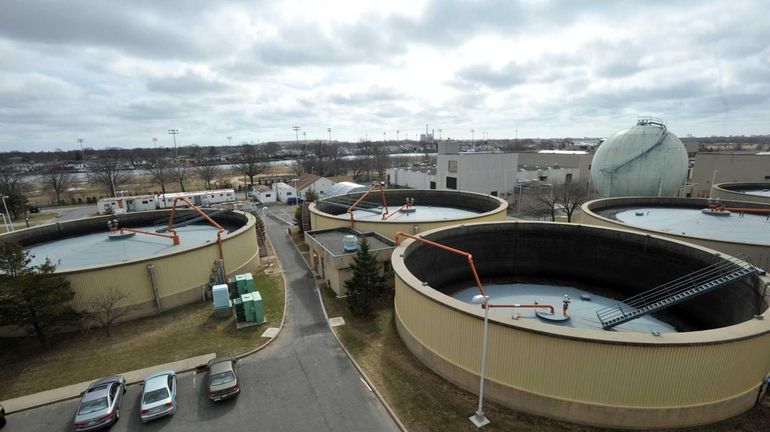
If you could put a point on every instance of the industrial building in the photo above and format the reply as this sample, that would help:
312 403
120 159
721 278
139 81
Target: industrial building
332 252
728 168
575 362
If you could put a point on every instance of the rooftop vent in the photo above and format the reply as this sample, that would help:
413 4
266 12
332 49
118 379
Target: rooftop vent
349 243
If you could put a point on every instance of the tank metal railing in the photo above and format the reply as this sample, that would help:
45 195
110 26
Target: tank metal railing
676 291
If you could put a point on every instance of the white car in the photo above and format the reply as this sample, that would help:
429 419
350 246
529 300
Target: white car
158 395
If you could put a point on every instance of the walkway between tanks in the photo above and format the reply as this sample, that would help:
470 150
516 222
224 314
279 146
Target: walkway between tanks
322 383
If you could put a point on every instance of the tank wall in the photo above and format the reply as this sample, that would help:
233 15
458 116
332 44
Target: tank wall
758 254
732 192
181 277
610 379
600 383
621 263
491 210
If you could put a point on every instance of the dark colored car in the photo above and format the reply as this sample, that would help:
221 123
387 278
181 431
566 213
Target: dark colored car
99 405
294 201
223 380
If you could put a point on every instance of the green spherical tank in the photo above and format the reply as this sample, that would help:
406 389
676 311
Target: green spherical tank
645 160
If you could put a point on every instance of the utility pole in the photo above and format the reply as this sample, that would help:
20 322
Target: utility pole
82 153
173 133
296 133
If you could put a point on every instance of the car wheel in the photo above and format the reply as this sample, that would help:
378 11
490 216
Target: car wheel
117 414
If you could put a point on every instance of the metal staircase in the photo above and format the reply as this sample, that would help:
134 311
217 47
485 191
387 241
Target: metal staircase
676 291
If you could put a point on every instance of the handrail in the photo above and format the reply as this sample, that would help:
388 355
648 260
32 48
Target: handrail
171 229
449 249
374 186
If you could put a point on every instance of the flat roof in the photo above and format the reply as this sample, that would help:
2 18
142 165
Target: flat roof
331 240
737 227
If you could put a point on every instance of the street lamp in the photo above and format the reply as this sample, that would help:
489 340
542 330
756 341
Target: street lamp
8 215
479 419
173 133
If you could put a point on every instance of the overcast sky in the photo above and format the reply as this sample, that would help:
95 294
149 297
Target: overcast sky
118 73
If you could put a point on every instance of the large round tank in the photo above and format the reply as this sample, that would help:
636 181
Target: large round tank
645 160
709 368
152 276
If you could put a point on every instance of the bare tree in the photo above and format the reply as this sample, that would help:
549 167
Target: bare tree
107 173
161 173
58 179
380 160
570 196
12 186
105 308
250 162
362 163
179 174
208 172
546 201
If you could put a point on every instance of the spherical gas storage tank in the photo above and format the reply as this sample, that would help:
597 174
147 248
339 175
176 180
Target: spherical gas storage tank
428 209
701 360
154 274
645 160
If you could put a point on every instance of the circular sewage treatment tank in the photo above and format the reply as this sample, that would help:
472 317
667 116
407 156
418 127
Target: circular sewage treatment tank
430 209
152 273
641 377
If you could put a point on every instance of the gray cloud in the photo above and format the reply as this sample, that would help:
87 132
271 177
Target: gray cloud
187 83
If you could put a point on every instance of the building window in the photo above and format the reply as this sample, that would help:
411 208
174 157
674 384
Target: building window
543 178
493 193
451 183
568 178
433 185
267 195
452 166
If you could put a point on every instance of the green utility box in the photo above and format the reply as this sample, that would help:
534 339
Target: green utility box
259 309
245 283
248 306
240 313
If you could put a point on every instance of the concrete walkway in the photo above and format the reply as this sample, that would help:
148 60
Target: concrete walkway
74 390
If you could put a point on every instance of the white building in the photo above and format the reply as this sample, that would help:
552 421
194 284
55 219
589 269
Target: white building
199 198
483 172
548 175
263 194
305 183
127 204
284 191
414 178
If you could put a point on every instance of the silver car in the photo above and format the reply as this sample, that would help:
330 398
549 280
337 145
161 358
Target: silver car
100 404
158 395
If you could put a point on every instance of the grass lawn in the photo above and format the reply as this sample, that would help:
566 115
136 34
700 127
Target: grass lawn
424 401
183 332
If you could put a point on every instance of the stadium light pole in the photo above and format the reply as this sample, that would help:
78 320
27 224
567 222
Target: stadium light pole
478 418
330 134
229 141
155 143
173 133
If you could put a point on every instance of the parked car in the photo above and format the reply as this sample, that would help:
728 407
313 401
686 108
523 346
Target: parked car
99 405
158 396
223 380
2 416
294 201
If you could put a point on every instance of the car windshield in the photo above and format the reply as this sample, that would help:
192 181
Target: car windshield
222 378
93 405
155 395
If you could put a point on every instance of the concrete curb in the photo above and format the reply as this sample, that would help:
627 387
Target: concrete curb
285 305
358 367
73 391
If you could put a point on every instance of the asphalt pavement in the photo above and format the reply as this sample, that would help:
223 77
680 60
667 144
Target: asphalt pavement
303 381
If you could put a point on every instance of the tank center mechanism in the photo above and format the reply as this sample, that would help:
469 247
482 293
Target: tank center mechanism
406 208
483 299
117 233
717 208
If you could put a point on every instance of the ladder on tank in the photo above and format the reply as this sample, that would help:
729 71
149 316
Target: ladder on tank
676 291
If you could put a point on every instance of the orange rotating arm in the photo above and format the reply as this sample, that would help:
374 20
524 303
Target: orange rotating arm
449 249
371 188
203 214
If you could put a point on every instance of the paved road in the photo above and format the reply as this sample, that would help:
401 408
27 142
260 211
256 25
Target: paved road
301 382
